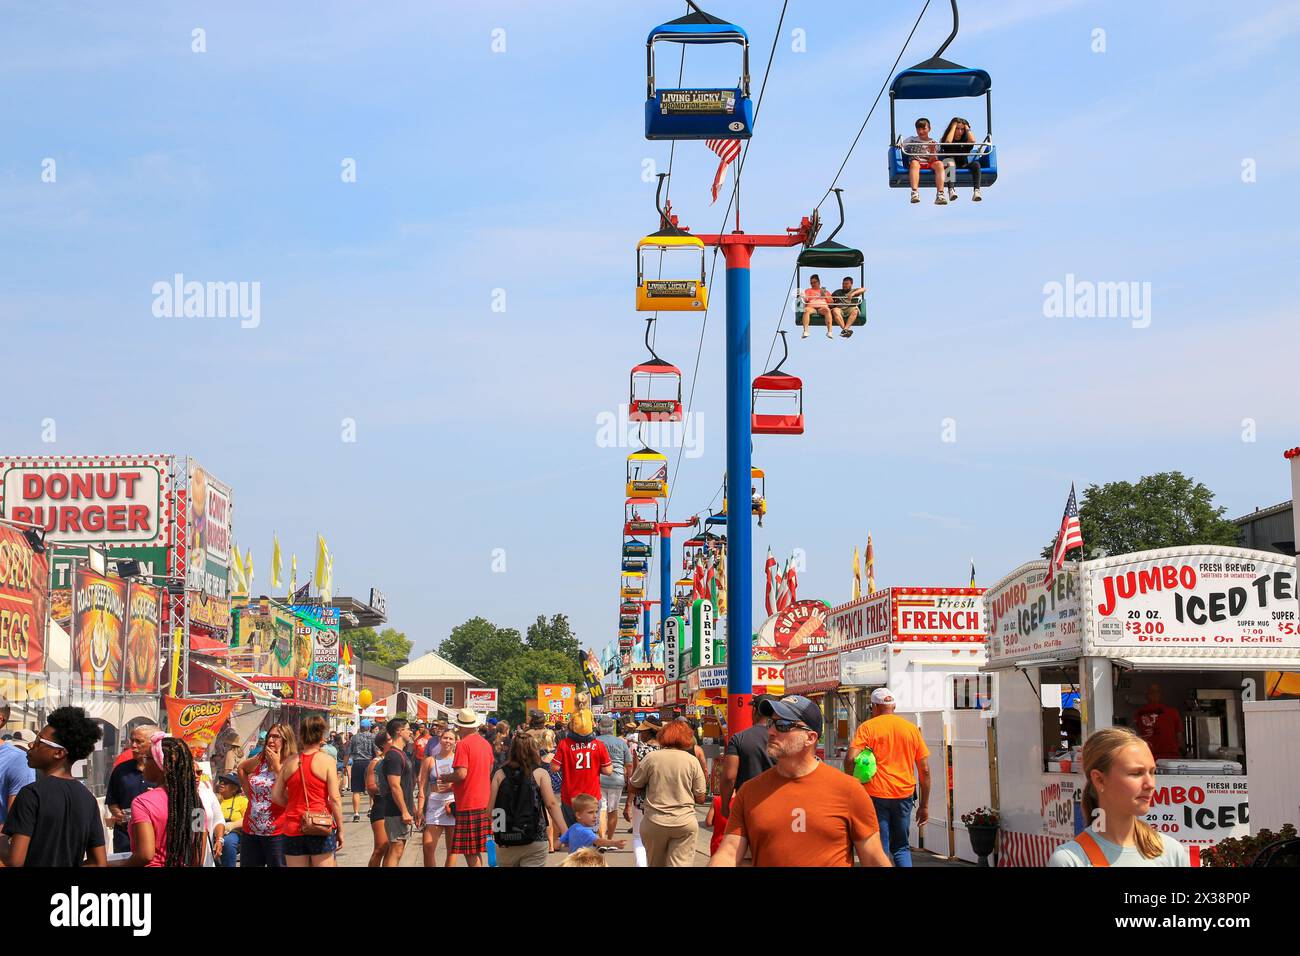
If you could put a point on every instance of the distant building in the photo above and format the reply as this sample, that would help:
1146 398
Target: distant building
1269 529
382 681
438 679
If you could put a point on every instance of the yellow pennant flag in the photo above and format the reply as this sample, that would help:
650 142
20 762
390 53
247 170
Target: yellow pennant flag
239 577
857 575
871 567
293 575
248 569
321 554
327 589
277 563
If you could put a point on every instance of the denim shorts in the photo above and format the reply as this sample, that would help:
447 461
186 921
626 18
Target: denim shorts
309 845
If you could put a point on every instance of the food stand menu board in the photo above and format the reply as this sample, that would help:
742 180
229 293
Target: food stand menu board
1026 620
1203 597
1200 810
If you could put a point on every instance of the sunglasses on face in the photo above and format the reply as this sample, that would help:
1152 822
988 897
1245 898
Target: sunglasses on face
54 744
785 726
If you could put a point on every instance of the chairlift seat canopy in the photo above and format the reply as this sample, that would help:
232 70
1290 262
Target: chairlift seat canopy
939 80
830 255
707 112
777 382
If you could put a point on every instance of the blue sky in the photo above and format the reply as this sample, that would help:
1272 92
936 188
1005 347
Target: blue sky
521 170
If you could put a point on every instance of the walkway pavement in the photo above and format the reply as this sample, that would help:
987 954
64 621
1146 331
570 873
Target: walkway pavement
358 843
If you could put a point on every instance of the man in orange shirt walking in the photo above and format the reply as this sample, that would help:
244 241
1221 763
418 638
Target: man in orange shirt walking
900 762
800 811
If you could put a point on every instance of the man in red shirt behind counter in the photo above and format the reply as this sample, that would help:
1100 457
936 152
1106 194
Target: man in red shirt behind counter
1160 725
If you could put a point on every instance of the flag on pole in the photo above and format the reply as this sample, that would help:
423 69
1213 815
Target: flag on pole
857 575
972 572
792 583
327 590
239 582
698 586
871 567
711 581
769 598
727 150
277 563
300 596
1070 536
720 581
293 574
248 570
321 553
779 592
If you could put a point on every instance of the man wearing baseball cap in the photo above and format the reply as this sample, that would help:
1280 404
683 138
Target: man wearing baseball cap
901 756
800 812
361 750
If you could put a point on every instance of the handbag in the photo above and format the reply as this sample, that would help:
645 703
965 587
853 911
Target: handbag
313 824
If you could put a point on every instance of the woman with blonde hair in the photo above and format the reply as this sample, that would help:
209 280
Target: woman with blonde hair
1120 780
263 841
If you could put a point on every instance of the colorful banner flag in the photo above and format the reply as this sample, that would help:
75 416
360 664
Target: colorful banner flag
197 722
769 598
857 575
791 582
24 601
871 567
98 630
277 564
144 611
592 675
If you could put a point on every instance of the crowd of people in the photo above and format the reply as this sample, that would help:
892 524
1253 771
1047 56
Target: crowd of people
496 796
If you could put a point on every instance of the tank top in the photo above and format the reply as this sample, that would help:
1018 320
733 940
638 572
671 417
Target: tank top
298 801
263 818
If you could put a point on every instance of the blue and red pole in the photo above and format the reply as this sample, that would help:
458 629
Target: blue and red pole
740 544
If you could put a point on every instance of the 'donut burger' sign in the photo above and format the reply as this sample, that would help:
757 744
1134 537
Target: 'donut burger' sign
119 500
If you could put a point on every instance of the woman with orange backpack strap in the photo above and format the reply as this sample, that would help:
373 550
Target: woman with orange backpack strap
1120 780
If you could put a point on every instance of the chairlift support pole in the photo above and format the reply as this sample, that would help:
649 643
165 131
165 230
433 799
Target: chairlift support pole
666 572
738 247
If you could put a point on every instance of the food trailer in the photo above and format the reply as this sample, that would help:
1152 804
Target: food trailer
927 645
1193 628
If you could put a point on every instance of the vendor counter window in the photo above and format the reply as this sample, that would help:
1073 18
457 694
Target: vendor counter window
1062 723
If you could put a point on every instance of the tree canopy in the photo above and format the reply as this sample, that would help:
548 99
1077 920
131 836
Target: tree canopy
515 664
1165 510
387 648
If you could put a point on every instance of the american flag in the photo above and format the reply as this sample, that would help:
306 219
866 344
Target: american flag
727 150
1070 536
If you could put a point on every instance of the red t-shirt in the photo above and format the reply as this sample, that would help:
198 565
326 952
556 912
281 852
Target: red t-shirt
579 764
1158 725
475 754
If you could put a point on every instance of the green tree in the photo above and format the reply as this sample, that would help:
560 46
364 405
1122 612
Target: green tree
519 676
553 635
1165 510
481 648
387 648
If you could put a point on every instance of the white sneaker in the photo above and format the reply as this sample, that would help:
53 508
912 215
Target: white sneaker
977 197
805 334
952 194
829 333
939 200
916 197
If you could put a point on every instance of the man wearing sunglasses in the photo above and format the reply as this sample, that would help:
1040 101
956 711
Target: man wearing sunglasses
801 812
55 821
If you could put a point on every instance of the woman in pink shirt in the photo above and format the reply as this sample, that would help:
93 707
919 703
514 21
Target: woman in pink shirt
162 830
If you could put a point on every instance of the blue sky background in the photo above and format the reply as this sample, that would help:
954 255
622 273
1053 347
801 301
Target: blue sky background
522 171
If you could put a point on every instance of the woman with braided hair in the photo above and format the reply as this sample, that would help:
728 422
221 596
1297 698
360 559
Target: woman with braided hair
168 823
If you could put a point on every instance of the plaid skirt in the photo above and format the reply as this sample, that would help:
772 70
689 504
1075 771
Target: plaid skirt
471 832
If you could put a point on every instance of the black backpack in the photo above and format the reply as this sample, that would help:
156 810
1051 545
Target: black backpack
520 802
